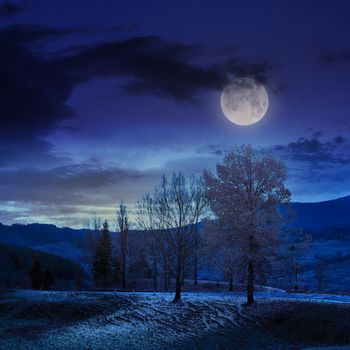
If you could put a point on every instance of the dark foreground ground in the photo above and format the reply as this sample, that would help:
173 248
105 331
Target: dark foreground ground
82 320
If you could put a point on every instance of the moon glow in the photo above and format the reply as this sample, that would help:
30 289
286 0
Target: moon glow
244 101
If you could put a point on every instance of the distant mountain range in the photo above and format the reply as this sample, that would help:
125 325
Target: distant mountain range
334 212
327 222
324 220
66 242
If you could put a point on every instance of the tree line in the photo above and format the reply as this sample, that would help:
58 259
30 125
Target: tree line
106 267
242 202
40 279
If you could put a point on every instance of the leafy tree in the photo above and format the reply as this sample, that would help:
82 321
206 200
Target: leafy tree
49 281
102 262
35 274
245 194
223 246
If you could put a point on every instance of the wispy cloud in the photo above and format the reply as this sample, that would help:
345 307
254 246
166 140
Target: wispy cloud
315 151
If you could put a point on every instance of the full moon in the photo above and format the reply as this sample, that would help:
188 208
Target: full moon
244 101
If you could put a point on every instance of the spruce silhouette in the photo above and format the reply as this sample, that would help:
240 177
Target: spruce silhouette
102 262
49 281
35 274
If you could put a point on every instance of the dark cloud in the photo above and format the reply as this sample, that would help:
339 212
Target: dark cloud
258 68
36 81
216 149
67 194
9 9
212 150
316 165
339 140
35 85
314 151
32 152
69 184
280 88
151 65
33 90
335 56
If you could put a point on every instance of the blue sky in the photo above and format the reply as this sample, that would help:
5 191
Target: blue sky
99 99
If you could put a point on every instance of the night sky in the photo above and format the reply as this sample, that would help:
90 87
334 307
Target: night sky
100 98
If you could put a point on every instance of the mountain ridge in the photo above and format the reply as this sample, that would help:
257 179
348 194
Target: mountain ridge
323 214
324 220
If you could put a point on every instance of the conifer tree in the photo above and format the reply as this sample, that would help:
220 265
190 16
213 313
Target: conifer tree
116 268
35 274
102 263
49 281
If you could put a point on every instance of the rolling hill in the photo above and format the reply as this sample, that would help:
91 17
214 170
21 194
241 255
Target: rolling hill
15 262
327 222
334 212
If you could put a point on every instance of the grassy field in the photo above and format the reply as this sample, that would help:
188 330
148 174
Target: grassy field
88 320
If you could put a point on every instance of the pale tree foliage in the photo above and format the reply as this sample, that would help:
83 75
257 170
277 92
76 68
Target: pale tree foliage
171 215
224 251
245 195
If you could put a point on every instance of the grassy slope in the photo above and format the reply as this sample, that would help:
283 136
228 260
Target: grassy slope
68 320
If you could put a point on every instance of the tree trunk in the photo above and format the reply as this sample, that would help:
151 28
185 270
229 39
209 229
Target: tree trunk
155 274
183 276
123 247
230 282
177 289
116 273
250 283
123 269
296 273
166 283
169 279
178 281
195 279
166 274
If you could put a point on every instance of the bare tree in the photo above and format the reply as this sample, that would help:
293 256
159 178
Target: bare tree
152 241
245 195
296 272
174 211
195 256
320 275
93 227
123 240
200 207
